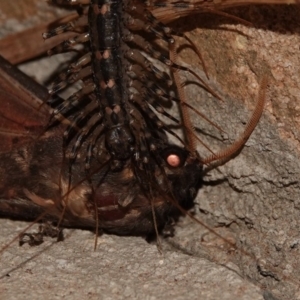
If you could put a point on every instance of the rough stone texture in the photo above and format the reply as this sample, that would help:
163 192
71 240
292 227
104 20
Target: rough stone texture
251 201
258 198
120 268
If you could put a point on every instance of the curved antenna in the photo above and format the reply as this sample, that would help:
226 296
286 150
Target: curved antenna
227 154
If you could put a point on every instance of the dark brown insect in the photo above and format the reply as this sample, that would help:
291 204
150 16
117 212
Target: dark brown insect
80 165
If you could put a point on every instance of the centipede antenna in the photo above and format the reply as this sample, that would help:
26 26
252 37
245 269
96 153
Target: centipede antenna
227 154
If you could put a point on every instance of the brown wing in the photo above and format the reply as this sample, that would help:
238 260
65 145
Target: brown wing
22 113
23 118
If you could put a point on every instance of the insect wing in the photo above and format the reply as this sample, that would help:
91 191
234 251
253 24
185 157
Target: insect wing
22 119
22 115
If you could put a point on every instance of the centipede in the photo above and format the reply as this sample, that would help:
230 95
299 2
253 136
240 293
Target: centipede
124 153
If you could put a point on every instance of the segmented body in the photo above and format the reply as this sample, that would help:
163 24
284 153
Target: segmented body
111 80
124 82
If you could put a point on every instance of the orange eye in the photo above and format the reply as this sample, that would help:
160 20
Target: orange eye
173 160
174 156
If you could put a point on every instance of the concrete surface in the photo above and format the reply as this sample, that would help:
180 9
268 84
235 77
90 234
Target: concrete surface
120 268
